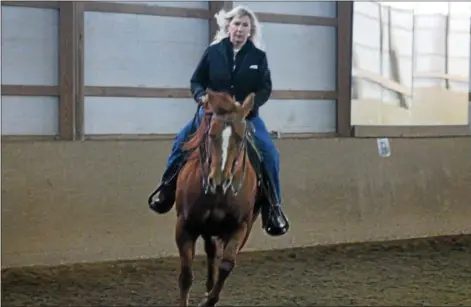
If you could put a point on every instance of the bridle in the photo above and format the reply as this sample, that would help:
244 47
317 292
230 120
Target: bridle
205 156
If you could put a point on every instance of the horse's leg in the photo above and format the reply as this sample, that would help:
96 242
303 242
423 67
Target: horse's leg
210 247
186 248
227 264
247 233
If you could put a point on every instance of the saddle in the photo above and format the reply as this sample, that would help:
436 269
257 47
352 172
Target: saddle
266 192
254 154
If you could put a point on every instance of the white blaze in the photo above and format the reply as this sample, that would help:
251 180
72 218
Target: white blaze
226 136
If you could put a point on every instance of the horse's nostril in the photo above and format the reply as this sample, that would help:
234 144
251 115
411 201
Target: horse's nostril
211 181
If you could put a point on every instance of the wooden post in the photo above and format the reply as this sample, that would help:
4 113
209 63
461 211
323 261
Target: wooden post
70 85
344 67
214 7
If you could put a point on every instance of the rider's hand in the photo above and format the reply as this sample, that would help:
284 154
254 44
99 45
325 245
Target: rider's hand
203 100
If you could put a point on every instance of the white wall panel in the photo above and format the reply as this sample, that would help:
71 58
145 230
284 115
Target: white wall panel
305 57
420 45
469 67
30 115
113 115
182 4
367 58
430 40
459 66
459 52
402 41
430 49
30 46
307 8
429 63
300 116
365 8
360 24
423 39
141 50
123 115
399 18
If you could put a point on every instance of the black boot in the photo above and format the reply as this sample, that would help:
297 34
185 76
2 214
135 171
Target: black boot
163 198
277 223
274 220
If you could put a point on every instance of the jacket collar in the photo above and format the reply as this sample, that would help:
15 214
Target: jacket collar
229 48
227 52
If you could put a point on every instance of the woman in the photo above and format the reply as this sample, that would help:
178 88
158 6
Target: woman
233 63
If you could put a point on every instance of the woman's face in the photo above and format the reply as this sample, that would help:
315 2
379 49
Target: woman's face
239 30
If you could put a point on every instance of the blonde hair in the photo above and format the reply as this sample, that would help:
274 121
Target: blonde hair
223 19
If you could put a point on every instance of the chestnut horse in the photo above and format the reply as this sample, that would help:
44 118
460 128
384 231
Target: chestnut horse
216 193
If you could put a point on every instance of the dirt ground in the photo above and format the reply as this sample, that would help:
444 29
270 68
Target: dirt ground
436 272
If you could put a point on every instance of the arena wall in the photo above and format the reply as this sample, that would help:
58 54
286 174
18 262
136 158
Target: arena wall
93 92
71 202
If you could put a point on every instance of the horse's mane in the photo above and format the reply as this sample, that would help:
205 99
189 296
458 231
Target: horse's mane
195 140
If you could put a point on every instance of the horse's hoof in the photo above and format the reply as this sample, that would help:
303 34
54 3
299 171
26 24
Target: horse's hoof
205 303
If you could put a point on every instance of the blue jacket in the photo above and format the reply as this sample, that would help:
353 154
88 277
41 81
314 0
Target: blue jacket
251 73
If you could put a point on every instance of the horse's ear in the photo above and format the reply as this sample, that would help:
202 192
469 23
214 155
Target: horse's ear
247 105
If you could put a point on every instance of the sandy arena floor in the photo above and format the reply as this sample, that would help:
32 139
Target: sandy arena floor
416 272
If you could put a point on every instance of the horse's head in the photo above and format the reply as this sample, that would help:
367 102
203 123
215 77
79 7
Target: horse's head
227 138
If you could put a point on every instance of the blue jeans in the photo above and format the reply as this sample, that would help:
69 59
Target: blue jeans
263 141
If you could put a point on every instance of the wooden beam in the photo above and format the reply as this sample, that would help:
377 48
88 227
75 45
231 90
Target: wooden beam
144 9
30 90
412 131
143 92
297 19
381 81
344 67
33 4
138 92
25 138
134 137
303 95
437 75
214 6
